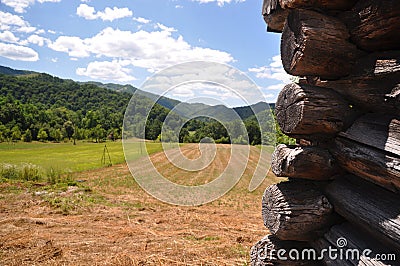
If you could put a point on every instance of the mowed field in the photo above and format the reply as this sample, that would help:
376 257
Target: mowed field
105 218
67 157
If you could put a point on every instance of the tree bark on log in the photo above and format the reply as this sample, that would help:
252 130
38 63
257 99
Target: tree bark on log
354 245
322 4
274 15
303 162
264 252
296 210
374 24
368 206
374 85
370 148
308 112
314 44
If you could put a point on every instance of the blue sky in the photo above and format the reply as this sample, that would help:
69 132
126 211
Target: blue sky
127 41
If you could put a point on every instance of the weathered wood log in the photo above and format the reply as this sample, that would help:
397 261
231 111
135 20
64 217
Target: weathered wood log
296 210
321 4
378 131
305 111
274 15
265 252
353 247
303 162
369 163
370 148
314 44
374 24
374 85
364 204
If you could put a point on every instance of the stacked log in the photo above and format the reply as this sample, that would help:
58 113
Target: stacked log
343 188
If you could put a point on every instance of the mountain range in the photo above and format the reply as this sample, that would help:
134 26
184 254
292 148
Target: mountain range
219 112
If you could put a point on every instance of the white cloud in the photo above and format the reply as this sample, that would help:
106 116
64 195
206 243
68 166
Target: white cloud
178 6
273 71
183 91
150 50
276 86
164 28
8 36
74 46
270 96
142 20
14 23
207 79
17 52
9 20
38 40
106 70
219 2
51 1
27 29
220 92
20 5
85 11
110 14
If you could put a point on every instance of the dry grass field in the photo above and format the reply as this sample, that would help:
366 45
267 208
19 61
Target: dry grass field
104 218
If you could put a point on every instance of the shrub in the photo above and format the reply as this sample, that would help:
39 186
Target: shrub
9 171
30 172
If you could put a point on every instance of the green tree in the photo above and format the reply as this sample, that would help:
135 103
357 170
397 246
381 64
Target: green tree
69 129
4 133
56 134
16 133
42 135
253 131
27 137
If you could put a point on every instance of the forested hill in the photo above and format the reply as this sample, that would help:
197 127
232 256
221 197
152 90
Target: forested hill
14 72
219 112
53 92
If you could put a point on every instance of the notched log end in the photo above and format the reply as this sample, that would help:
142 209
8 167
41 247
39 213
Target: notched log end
312 112
303 162
296 210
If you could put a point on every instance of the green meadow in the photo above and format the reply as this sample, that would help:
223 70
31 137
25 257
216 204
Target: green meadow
66 157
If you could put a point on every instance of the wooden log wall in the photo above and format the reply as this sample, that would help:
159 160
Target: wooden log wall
343 188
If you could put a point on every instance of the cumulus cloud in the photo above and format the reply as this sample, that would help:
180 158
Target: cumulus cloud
206 80
8 36
150 50
114 70
13 22
18 52
74 46
183 91
38 40
88 12
142 20
219 2
274 71
20 6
